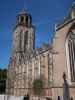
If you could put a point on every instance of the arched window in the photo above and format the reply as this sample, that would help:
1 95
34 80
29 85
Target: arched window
25 41
26 20
22 19
71 51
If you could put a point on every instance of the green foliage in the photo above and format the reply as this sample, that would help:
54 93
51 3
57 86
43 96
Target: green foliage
3 74
38 86
50 83
3 77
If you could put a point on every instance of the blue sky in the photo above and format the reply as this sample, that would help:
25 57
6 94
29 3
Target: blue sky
45 14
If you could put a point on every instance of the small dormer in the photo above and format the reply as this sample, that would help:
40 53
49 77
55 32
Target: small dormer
24 19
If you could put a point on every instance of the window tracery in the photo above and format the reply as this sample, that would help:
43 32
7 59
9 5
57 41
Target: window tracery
71 47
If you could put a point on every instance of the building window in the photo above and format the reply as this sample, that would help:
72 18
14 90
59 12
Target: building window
36 70
25 40
71 49
50 62
26 20
22 19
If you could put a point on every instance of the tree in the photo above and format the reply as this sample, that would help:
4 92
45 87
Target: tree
3 74
38 86
3 77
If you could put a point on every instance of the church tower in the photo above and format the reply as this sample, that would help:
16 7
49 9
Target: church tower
23 46
23 36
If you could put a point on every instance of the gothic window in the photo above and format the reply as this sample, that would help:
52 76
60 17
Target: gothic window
25 40
71 47
36 68
49 67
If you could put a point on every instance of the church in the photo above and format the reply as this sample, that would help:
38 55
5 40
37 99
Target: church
49 62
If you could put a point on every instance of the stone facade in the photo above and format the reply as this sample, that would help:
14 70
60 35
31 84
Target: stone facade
27 63
48 62
61 59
